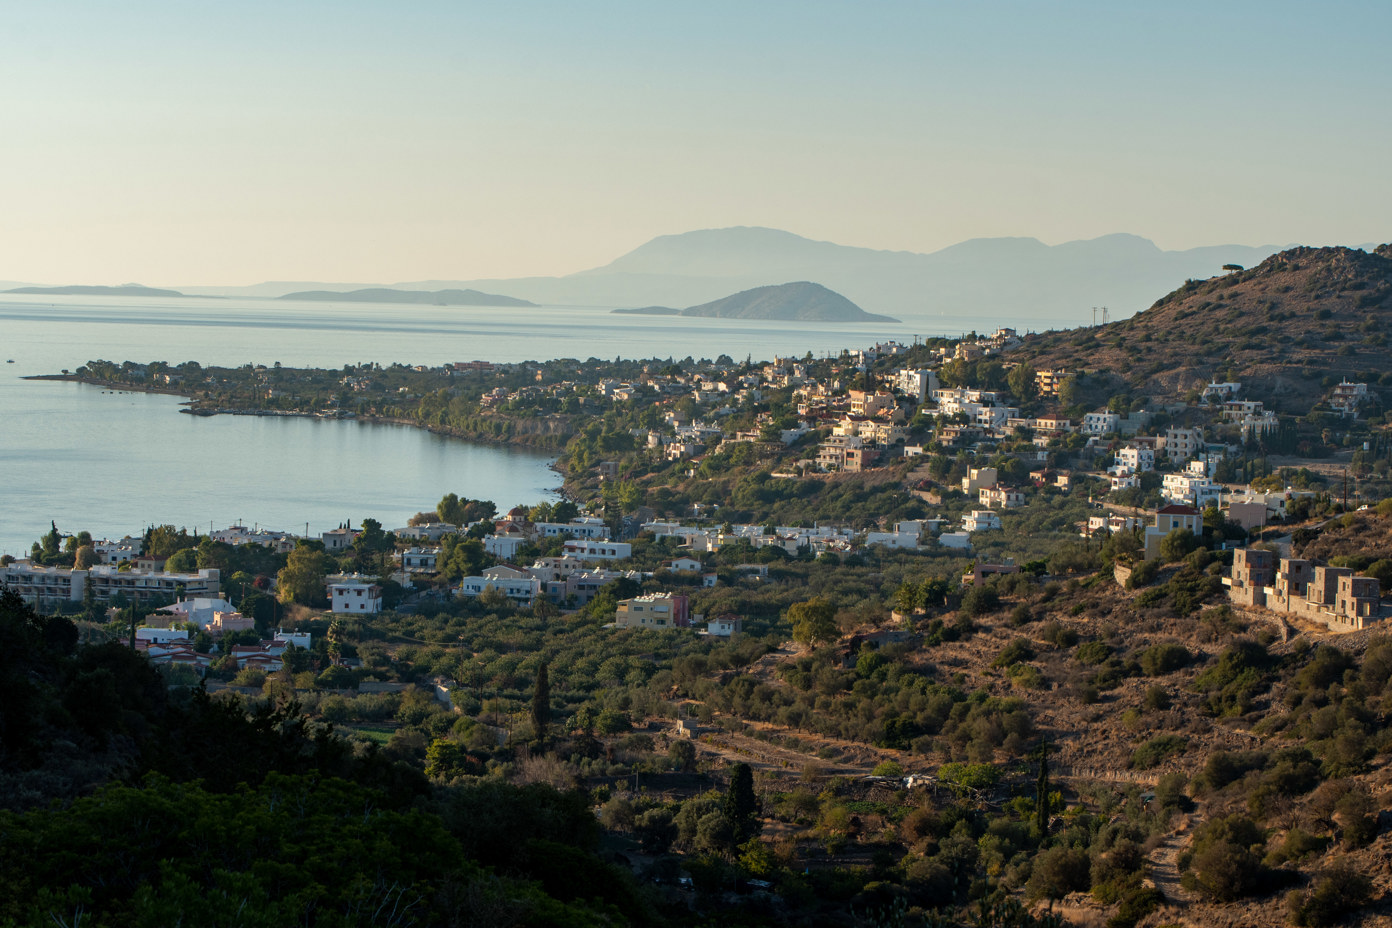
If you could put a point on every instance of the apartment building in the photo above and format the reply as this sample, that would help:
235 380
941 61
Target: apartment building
47 587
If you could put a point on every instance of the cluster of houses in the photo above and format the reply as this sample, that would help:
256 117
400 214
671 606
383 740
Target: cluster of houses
1336 597
173 646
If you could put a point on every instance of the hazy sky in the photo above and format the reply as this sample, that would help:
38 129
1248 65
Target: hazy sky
199 142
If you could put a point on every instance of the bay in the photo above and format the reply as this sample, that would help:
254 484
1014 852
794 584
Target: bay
115 462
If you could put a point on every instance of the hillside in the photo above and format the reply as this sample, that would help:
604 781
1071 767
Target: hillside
1282 328
795 302
428 297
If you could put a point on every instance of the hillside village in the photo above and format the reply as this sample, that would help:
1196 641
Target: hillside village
981 625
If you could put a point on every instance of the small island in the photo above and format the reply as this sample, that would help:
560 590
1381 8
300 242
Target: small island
125 290
650 311
802 301
417 297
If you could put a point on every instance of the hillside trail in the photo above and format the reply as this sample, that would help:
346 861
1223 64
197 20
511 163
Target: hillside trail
1164 862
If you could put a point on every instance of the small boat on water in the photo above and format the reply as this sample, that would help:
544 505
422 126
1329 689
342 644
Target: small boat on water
10 361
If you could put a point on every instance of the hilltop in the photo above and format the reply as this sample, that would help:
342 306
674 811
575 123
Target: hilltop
1282 329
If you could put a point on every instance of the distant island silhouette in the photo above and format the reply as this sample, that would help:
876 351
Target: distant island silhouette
802 301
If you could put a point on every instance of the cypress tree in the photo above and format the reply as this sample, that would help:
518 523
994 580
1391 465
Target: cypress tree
741 806
541 703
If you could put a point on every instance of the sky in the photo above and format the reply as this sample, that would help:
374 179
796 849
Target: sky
214 143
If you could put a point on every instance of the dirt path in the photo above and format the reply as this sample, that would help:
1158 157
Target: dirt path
767 757
1164 863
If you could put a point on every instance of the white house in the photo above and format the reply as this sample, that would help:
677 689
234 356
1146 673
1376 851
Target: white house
517 585
725 626
580 527
591 550
1182 444
420 558
958 541
118 552
429 531
919 384
1135 459
338 539
200 610
1101 423
1004 497
1191 489
979 520
355 596
160 635
504 546
904 536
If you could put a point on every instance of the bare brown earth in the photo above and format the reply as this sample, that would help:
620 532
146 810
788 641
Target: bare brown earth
1354 534
1280 328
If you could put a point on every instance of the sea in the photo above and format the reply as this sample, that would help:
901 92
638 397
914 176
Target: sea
114 463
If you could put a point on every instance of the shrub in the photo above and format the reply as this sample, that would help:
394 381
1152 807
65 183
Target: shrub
1060 636
1298 845
1157 749
1163 658
1225 872
1223 768
1156 699
1339 891
1058 872
1237 678
1142 574
1152 597
979 600
887 768
1093 653
1018 650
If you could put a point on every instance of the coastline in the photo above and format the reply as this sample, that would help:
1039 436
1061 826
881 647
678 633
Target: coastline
108 385
445 432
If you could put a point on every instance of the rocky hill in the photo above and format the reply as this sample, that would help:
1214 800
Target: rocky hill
1282 328
796 302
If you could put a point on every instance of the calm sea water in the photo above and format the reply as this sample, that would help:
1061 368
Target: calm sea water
113 463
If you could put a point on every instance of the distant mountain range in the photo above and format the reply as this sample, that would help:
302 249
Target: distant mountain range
1019 279
387 295
802 301
1013 281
